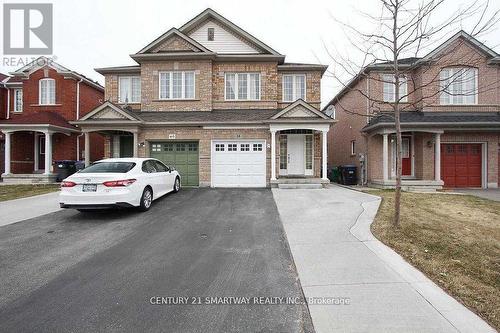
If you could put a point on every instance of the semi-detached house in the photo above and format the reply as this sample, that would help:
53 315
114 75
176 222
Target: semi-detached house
450 119
219 105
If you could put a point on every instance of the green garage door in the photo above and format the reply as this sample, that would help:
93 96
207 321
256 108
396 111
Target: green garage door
183 156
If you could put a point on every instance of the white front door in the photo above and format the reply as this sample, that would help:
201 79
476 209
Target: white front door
295 149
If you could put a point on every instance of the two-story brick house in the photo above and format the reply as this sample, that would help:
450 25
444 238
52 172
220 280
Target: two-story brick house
41 99
219 105
450 119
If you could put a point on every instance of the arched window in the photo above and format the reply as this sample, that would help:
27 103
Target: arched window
47 92
458 85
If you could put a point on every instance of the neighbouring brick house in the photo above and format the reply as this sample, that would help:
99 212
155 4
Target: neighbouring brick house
450 119
219 105
38 103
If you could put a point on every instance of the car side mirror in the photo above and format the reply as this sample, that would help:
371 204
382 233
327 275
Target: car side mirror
169 170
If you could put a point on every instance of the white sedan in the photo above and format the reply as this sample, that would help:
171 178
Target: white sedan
119 182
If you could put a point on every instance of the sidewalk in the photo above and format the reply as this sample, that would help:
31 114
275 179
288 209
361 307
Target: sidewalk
26 208
337 256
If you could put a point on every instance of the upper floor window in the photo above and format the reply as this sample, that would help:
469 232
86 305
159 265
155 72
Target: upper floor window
129 89
47 92
176 85
458 85
294 87
390 88
242 86
18 100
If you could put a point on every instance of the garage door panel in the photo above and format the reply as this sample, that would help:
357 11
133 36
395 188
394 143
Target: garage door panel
461 165
183 156
238 164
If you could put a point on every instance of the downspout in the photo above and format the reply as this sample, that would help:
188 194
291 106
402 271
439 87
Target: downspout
78 99
8 103
78 146
77 118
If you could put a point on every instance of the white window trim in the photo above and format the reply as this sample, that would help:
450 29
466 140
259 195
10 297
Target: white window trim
15 110
119 88
236 88
171 89
442 91
393 87
353 147
294 97
47 91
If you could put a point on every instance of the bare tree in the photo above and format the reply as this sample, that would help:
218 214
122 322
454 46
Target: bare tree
402 30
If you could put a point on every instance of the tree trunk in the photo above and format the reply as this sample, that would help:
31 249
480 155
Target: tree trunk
397 123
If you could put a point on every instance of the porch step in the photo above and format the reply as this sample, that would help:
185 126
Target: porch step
299 186
301 181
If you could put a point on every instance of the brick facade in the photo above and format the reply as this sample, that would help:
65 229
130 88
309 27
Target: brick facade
64 147
352 108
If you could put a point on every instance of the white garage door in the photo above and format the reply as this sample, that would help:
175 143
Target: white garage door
238 163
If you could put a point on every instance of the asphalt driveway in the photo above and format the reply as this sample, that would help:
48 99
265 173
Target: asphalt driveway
68 271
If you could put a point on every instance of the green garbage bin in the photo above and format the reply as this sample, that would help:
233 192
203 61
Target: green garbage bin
334 174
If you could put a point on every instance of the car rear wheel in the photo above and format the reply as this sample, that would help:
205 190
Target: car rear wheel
177 185
146 199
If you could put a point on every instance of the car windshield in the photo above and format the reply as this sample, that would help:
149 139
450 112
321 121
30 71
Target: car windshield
109 167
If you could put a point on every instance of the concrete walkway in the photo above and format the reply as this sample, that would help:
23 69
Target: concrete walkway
490 193
26 208
337 256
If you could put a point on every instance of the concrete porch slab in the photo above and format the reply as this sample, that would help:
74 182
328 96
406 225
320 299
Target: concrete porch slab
29 178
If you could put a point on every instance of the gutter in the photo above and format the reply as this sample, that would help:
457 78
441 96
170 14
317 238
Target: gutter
433 124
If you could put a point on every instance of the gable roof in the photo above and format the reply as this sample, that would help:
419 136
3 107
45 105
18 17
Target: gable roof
413 62
461 34
212 14
170 33
121 113
42 62
300 105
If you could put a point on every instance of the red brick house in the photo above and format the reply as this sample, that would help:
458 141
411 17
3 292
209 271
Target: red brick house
450 119
40 101
219 105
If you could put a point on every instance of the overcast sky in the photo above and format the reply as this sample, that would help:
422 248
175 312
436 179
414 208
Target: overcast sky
99 33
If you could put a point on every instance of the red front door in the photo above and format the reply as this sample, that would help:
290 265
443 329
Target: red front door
461 165
41 152
406 156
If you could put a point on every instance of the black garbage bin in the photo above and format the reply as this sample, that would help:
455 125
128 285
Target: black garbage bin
349 175
79 165
64 169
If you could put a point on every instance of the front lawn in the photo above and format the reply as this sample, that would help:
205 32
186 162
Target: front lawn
9 192
453 239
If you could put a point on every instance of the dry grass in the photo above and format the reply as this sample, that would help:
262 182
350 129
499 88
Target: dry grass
454 240
9 192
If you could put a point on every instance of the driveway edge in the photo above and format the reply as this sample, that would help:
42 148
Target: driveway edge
459 316
15 210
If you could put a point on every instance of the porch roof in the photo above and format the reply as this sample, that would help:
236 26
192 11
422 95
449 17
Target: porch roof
37 120
455 120
111 113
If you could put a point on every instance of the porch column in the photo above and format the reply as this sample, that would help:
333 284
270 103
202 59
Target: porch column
36 151
437 157
48 152
136 145
273 155
385 157
7 152
324 154
87 149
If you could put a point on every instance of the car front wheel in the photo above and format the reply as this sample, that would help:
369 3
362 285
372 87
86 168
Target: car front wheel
177 185
146 199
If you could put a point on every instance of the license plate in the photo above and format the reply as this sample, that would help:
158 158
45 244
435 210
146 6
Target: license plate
89 188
